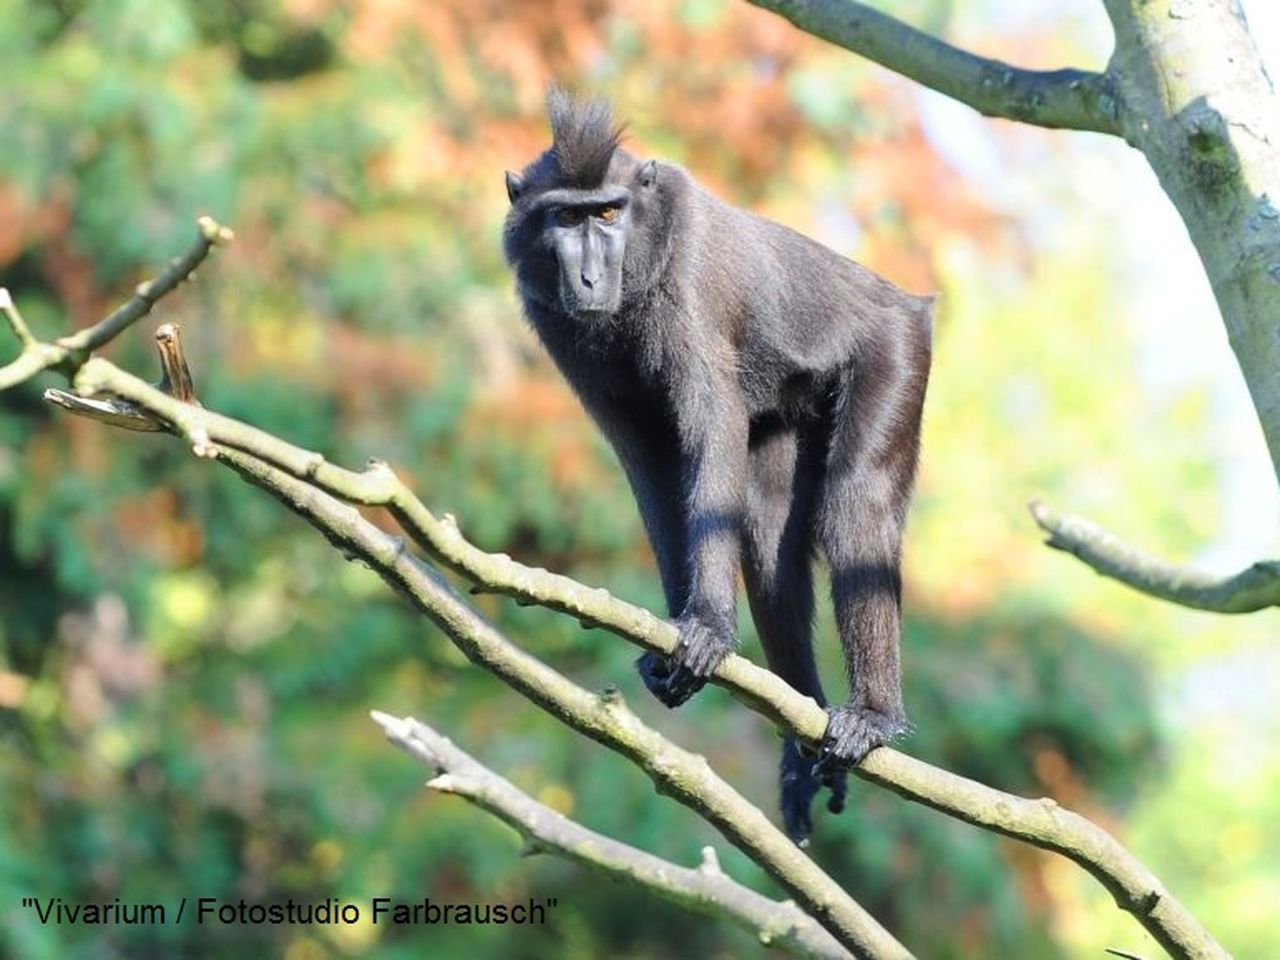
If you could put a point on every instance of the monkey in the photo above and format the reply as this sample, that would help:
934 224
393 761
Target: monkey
764 396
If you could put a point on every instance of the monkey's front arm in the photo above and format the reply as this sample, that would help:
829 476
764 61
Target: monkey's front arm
712 432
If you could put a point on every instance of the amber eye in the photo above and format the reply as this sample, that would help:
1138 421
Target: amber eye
608 214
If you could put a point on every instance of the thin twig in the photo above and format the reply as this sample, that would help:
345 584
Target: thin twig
1253 588
146 294
68 353
16 323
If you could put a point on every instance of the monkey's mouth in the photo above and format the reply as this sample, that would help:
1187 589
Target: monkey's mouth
591 309
593 314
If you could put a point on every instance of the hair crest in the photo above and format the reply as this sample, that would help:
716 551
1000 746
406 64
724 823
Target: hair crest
584 138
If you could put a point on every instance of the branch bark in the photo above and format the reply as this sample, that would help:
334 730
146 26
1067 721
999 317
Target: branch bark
1074 99
1253 588
706 889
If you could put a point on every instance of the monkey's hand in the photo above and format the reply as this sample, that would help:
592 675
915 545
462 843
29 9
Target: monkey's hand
704 642
800 784
852 733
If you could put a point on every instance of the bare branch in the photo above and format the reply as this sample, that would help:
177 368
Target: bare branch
1253 588
705 889
14 318
175 381
33 360
145 296
1075 99
1043 823
69 352
441 538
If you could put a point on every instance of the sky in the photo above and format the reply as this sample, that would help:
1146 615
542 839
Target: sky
1264 24
1182 341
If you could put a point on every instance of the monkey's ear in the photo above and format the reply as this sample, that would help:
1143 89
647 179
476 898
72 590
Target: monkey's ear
647 175
515 186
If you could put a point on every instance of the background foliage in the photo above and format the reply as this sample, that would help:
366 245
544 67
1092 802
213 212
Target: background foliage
185 670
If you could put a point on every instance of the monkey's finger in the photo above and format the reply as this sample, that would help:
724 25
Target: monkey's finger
830 763
836 802
671 684
682 684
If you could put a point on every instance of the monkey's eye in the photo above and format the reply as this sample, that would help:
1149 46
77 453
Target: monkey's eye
608 214
568 216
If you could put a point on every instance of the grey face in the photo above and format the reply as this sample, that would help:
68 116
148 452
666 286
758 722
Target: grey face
590 241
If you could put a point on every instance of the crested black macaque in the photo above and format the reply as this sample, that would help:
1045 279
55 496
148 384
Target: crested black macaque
764 396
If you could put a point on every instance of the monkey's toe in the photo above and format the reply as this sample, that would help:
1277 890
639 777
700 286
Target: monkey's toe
799 787
852 733
800 784
838 783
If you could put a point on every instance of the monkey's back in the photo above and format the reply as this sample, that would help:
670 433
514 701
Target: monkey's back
803 311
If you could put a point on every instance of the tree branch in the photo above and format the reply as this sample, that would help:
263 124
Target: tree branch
14 319
682 775
1075 99
69 352
706 889
1253 588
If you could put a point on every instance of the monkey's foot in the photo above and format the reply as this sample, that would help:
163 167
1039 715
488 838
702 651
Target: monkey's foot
852 733
800 784
676 678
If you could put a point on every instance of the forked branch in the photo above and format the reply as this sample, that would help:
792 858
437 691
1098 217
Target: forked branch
705 889
684 776
304 477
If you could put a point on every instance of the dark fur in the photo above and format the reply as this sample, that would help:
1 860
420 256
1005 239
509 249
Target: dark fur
764 396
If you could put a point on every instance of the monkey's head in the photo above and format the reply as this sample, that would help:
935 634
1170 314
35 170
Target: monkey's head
576 213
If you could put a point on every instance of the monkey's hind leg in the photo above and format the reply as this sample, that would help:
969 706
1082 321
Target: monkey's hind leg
785 470
870 468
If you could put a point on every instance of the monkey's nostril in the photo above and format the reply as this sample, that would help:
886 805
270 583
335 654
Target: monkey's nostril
587 281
